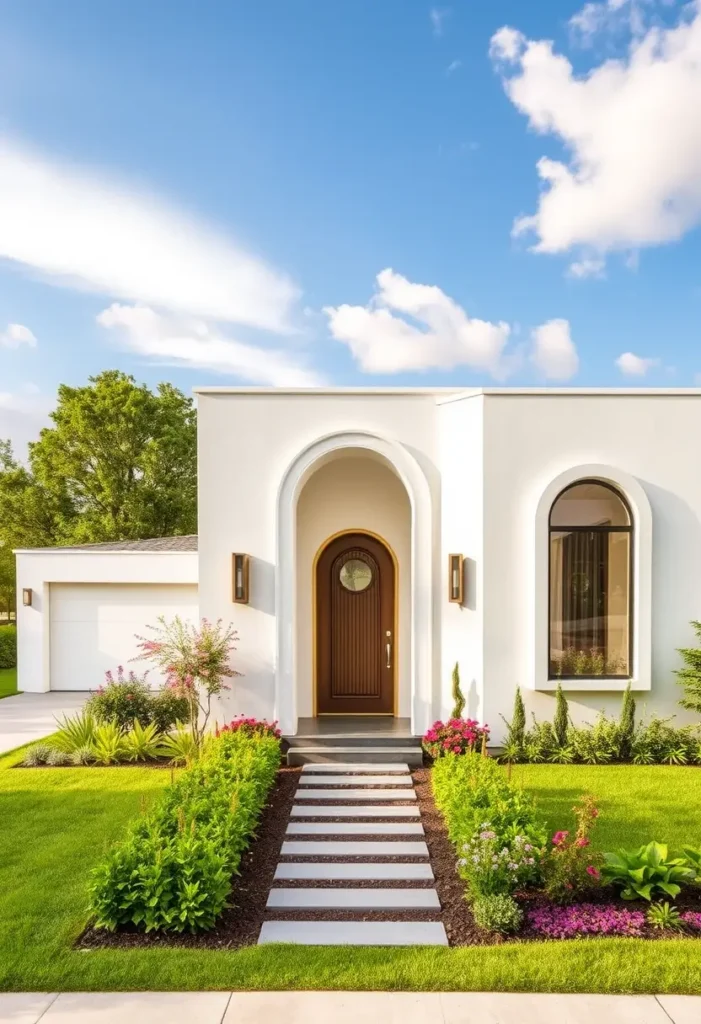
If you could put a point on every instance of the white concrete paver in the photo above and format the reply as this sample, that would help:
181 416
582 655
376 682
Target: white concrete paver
355 828
368 872
355 933
682 1009
354 780
137 1008
335 1008
360 811
367 767
31 716
349 848
353 899
24 1007
355 794
528 1008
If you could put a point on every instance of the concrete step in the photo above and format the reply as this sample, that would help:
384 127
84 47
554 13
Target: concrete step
337 779
368 872
351 848
355 828
357 795
343 766
353 899
315 752
355 933
361 811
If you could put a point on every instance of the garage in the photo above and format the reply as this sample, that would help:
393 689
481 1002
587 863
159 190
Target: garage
82 607
94 627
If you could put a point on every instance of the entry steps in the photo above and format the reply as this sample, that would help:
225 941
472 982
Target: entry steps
337 876
324 753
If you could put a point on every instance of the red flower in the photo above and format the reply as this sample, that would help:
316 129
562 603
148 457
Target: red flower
594 872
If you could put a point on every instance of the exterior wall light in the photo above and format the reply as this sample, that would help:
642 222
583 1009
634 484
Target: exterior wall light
27 597
240 566
456 574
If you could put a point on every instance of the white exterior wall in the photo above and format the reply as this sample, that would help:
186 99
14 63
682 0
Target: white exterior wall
39 569
529 440
246 443
352 493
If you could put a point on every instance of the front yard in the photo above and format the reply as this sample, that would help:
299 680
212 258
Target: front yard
55 825
8 682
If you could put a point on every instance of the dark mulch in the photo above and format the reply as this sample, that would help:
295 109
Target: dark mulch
240 925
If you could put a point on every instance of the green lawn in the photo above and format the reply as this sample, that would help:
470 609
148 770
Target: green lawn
8 682
54 825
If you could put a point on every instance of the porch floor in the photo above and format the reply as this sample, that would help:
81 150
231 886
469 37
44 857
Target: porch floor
354 726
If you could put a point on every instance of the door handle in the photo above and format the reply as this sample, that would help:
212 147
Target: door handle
388 648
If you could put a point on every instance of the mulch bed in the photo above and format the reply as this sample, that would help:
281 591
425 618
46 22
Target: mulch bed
240 925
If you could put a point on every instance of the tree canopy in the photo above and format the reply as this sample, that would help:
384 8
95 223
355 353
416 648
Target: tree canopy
119 463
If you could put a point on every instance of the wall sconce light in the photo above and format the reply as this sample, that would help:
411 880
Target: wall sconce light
27 597
240 564
456 573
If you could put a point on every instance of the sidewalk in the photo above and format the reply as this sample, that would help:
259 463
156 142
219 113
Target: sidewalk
27 717
344 1008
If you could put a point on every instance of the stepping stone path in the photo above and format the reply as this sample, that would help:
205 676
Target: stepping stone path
353 829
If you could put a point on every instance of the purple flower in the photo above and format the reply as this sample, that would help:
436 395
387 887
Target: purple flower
556 922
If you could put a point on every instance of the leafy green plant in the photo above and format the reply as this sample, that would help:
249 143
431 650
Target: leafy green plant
36 756
692 856
570 866
126 696
690 676
513 750
172 871
539 742
626 725
458 699
497 912
141 743
642 873
74 732
664 916
658 742
562 717
179 746
108 744
8 646
83 756
58 758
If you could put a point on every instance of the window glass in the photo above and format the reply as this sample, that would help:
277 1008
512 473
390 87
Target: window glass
355 574
589 504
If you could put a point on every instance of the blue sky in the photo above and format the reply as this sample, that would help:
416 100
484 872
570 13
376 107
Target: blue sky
303 192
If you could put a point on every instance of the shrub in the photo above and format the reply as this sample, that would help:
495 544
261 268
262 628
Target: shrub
539 743
8 646
252 727
128 697
491 866
595 744
58 758
626 725
497 913
664 916
690 675
37 755
692 859
456 736
657 742
179 746
458 699
108 744
646 872
82 756
585 919
570 866
172 871
141 743
74 732
562 717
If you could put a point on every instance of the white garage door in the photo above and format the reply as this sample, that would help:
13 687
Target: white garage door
93 627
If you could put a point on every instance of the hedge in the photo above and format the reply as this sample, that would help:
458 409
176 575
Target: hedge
173 870
8 646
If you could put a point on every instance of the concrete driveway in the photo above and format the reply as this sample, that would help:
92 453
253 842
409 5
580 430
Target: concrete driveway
29 716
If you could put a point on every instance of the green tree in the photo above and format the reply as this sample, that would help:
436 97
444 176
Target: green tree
626 725
458 699
517 726
690 675
561 720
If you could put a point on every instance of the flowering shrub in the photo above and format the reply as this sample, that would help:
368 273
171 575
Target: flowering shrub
584 919
456 736
490 867
125 697
195 661
570 866
497 913
251 727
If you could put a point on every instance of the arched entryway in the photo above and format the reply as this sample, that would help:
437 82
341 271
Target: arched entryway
356 626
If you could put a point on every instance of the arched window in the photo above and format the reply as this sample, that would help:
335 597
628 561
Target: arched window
591 586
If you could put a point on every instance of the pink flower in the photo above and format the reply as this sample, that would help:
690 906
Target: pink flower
594 872
582 841
559 838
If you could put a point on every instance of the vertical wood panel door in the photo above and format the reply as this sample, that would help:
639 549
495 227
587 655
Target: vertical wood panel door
356 645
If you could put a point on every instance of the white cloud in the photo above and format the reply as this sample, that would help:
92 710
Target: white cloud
632 131
454 66
22 415
635 366
588 266
409 327
609 16
181 341
79 229
15 335
438 16
554 353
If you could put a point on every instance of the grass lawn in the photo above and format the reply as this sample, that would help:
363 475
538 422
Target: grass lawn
8 682
54 825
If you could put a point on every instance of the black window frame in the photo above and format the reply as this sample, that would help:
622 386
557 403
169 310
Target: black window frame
629 529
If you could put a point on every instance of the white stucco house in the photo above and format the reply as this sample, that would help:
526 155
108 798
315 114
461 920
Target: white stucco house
530 535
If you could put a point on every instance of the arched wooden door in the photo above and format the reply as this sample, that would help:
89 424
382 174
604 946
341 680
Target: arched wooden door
355 609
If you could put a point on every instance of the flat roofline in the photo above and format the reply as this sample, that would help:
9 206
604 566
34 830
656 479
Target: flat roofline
451 394
97 551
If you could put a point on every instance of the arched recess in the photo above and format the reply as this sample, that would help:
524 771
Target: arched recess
639 505
410 473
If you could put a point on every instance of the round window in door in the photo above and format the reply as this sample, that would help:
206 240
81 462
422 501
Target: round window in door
356 574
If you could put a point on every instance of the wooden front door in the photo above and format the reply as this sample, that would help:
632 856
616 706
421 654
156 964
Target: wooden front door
356 645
